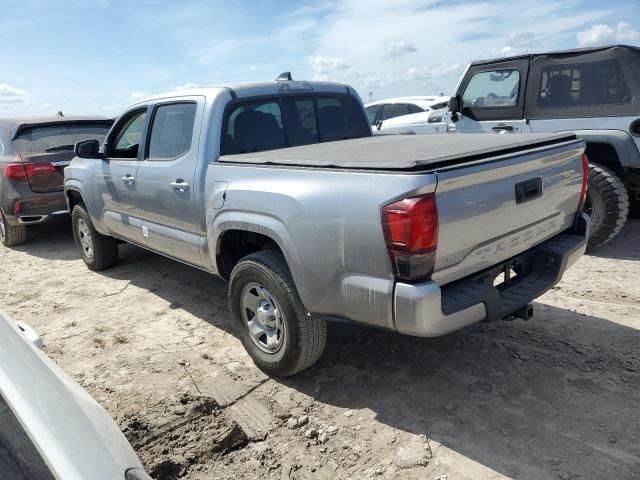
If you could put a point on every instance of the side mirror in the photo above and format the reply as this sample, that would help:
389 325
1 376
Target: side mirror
455 106
88 149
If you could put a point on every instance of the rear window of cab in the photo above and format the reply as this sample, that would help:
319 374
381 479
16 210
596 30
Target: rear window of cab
268 123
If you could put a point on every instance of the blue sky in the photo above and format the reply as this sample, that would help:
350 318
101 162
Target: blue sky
98 56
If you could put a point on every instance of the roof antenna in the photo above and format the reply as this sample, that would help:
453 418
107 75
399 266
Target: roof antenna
284 77
59 114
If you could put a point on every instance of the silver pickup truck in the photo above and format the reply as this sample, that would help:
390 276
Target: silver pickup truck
280 188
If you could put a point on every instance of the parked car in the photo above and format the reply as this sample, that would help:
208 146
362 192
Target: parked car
405 233
33 154
431 122
593 92
50 428
382 110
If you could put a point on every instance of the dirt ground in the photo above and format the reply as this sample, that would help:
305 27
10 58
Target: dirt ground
556 397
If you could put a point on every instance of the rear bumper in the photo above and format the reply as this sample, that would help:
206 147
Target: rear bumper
35 208
426 310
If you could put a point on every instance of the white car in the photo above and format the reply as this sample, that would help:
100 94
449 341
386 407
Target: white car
431 122
50 428
383 110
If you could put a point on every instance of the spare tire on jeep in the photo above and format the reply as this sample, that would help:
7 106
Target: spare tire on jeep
607 203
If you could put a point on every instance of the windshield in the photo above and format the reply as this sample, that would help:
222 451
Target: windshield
58 137
279 122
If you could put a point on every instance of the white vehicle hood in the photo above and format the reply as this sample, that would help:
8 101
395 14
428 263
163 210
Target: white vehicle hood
73 433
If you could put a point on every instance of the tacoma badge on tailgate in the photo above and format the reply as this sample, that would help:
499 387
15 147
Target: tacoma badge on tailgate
515 241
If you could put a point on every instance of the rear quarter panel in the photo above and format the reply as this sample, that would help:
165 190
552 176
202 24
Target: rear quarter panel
328 225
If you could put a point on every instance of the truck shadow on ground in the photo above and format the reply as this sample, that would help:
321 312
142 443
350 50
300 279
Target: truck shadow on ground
555 397
199 293
52 241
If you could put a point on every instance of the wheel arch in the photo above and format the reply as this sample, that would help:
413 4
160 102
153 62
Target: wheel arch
74 197
614 149
230 240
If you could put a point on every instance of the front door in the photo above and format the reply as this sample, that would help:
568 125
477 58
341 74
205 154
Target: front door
493 98
115 185
167 185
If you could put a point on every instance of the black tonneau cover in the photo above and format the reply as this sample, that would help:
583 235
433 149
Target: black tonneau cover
400 152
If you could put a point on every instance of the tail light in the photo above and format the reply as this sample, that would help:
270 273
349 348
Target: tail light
585 182
411 233
25 171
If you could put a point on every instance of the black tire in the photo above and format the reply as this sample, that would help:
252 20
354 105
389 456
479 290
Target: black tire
607 204
104 253
11 235
304 337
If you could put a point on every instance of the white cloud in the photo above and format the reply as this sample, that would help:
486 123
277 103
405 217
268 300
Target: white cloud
135 96
445 36
11 95
520 43
603 34
434 71
185 86
323 67
399 48
524 39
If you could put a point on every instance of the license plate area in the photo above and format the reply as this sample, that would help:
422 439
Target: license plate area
507 274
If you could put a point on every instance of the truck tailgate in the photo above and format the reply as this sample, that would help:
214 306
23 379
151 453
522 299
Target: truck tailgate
490 211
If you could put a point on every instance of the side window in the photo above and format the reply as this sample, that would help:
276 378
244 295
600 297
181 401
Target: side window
171 131
127 135
415 108
372 113
392 110
496 89
582 84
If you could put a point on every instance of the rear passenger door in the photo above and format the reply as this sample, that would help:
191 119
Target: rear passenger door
493 98
167 183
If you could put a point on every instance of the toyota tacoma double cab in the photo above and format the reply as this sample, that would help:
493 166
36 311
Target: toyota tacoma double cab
280 188
593 92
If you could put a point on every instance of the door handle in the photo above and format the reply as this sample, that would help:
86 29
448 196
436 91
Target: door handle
180 185
129 180
502 128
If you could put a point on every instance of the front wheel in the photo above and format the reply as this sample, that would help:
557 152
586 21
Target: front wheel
98 252
281 338
607 204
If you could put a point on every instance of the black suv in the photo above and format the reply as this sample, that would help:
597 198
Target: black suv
33 154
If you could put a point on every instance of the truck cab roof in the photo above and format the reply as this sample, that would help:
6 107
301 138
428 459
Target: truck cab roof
253 89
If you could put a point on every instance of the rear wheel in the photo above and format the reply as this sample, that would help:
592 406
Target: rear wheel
98 251
11 235
607 203
281 338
